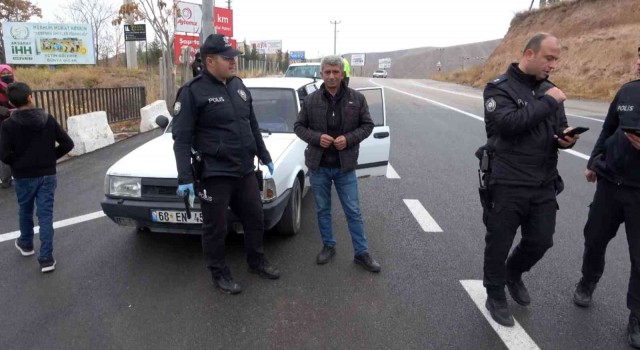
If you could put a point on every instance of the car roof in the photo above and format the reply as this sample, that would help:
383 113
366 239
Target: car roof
290 83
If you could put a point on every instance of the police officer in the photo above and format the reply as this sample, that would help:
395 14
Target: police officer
214 116
615 163
525 120
347 71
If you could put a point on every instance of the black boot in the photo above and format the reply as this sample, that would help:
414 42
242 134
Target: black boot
367 262
264 269
583 293
499 310
633 330
518 290
325 255
227 285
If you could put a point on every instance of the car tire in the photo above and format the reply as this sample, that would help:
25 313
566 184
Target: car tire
289 224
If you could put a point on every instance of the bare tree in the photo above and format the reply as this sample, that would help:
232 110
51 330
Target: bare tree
160 14
98 14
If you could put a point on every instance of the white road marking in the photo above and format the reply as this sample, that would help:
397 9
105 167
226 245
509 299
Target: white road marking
68 222
391 172
572 152
480 98
421 214
513 337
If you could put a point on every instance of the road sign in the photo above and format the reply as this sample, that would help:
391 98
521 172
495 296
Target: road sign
135 32
296 55
357 59
384 63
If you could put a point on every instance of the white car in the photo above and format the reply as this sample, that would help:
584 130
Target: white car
380 73
140 189
305 70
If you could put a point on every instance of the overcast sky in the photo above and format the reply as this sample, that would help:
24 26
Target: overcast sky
366 25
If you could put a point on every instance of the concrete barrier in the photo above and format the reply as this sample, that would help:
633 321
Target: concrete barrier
149 113
89 132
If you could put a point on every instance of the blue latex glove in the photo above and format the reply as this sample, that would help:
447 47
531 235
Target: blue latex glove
270 166
183 188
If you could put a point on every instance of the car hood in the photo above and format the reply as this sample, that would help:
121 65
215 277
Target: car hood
155 159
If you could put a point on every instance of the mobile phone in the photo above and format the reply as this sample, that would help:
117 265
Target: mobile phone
631 129
575 131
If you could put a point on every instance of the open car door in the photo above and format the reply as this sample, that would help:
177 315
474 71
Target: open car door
374 151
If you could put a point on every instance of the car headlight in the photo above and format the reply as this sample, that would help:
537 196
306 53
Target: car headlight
269 193
125 186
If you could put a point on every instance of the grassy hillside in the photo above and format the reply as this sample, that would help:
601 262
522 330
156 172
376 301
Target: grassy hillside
599 38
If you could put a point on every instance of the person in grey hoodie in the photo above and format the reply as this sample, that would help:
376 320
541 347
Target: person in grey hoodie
28 145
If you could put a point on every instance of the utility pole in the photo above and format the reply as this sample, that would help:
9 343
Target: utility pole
229 4
335 34
207 20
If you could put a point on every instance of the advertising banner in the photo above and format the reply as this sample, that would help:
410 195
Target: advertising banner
190 19
357 60
48 43
267 46
223 21
182 40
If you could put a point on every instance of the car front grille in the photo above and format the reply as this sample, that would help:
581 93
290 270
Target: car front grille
159 188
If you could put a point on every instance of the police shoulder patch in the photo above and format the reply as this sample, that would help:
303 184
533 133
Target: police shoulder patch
242 94
176 108
490 105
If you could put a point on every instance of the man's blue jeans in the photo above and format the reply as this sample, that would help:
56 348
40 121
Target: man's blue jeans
347 188
39 191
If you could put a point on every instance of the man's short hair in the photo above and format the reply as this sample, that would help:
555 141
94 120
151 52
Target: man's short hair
332 60
18 94
536 42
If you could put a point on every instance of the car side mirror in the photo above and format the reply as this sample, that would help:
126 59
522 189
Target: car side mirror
162 121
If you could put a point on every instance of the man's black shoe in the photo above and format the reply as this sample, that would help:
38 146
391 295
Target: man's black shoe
518 291
499 310
227 285
633 330
325 255
24 250
47 265
266 270
367 262
583 293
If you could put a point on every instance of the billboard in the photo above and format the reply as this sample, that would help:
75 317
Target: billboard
135 32
384 63
296 55
182 40
223 21
190 19
267 46
357 60
48 43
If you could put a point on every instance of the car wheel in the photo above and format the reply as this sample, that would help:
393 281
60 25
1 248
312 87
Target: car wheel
289 224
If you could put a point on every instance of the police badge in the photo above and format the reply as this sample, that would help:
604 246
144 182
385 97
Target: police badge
176 108
490 105
243 95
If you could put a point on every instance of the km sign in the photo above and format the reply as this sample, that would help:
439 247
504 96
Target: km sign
223 21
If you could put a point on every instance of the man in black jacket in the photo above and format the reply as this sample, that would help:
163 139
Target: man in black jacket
214 115
615 164
28 144
197 66
525 121
333 121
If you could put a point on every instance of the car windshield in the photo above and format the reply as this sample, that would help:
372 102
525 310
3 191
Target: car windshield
276 109
312 71
379 71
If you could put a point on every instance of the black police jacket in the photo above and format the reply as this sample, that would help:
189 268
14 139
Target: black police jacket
218 121
613 156
521 122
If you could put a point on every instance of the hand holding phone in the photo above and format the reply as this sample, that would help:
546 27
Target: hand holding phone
575 131
631 130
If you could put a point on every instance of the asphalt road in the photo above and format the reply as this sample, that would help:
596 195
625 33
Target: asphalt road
114 288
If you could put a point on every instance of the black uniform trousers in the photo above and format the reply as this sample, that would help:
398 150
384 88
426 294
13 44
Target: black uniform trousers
533 209
243 196
611 206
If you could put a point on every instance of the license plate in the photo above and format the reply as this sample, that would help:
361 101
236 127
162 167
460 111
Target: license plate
176 217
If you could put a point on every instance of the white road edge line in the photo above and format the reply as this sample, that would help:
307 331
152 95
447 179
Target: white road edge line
422 216
480 98
58 224
572 152
513 337
391 172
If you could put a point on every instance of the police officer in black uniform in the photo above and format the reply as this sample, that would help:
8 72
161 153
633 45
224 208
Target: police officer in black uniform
214 116
525 121
615 163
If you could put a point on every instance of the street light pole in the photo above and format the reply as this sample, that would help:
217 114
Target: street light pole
335 33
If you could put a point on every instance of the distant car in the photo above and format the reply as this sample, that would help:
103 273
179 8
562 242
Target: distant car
140 189
305 70
380 73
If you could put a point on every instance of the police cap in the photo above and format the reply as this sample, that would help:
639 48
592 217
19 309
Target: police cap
218 44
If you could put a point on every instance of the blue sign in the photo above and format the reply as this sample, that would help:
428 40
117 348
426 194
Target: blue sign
296 55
